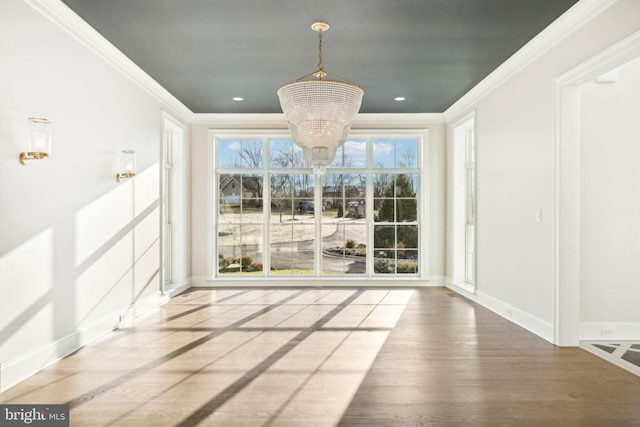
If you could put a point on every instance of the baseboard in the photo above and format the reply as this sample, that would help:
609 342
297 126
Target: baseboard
262 282
607 331
437 281
521 318
20 369
173 289
465 288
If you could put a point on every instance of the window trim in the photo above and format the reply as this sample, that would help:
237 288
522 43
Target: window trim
424 203
462 129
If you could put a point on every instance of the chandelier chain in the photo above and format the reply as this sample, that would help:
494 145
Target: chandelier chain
320 66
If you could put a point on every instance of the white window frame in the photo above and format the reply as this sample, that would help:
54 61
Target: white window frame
421 135
177 243
464 251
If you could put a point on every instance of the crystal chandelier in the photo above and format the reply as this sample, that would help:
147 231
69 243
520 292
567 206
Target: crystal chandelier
319 108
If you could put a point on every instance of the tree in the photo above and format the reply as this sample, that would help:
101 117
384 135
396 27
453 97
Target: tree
289 157
386 212
399 205
399 202
252 185
252 155
297 185
380 182
408 159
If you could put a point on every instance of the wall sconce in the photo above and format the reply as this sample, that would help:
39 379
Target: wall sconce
128 167
39 140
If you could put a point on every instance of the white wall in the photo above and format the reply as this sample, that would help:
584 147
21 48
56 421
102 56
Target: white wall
77 249
200 156
515 165
610 199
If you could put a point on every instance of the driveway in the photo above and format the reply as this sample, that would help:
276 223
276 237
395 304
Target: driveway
298 254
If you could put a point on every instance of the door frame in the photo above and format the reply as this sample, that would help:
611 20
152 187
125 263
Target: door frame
566 112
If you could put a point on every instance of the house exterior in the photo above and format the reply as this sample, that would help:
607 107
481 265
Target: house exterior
232 190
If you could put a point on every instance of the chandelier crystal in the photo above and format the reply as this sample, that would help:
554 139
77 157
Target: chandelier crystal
319 109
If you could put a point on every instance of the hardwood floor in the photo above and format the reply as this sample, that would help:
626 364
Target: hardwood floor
327 357
450 362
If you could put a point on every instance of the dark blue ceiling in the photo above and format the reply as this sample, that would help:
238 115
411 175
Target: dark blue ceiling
205 52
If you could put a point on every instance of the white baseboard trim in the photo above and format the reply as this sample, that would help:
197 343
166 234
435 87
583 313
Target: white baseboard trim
521 318
437 281
608 331
20 369
292 282
463 288
173 289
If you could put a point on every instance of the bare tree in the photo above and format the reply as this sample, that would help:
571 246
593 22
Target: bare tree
300 185
380 181
409 159
252 155
289 158
252 185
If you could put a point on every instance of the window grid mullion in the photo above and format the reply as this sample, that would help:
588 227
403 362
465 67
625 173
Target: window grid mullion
267 172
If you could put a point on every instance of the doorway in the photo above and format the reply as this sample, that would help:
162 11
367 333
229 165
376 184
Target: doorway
568 262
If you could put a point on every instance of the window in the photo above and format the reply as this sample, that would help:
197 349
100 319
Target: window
292 224
344 228
470 207
464 204
396 224
360 219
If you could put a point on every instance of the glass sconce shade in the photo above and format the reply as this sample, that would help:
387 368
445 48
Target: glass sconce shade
128 165
39 136
39 142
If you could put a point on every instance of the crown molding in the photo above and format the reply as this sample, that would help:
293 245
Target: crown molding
240 121
65 18
574 18
278 121
397 120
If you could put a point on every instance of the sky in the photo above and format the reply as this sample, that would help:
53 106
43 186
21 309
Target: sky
386 153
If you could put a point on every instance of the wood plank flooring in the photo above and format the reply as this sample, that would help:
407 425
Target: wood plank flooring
450 362
327 357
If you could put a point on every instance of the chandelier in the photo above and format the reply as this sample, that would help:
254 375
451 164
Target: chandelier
319 109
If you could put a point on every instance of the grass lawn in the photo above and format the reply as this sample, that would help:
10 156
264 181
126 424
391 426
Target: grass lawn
277 272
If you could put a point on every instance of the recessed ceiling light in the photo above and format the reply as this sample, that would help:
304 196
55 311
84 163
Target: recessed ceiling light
238 98
399 98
